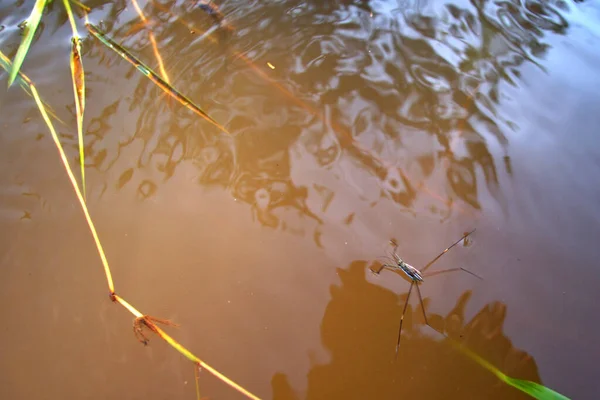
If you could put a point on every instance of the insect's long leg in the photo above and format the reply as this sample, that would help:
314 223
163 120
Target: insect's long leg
451 270
412 283
392 257
422 305
424 313
445 251
377 272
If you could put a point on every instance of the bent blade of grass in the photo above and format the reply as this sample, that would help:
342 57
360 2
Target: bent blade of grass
78 76
30 27
188 354
25 82
65 162
533 389
157 80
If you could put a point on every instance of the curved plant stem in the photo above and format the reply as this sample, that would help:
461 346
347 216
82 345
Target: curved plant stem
147 320
65 162
188 354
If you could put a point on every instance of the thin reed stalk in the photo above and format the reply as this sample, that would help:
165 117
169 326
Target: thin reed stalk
157 80
188 354
197 380
148 321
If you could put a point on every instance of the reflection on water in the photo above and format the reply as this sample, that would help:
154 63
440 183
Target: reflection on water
407 97
359 329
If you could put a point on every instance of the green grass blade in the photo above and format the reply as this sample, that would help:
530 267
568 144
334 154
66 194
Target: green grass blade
157 80
25 83
30 27
71 176
71 18
533 389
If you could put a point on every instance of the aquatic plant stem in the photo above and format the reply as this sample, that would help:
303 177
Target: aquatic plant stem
65 162
189 355
71 18
78 77
147 71
197 379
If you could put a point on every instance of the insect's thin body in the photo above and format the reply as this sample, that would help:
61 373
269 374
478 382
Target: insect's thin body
417 276
411 272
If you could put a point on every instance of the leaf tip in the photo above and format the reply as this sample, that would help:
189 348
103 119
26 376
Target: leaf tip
11 79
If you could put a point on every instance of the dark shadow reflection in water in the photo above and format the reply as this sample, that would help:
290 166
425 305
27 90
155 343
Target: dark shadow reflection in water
411 98
359 330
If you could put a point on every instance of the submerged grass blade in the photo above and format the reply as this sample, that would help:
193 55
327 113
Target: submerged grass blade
77 74
197 379
533 389
170 90
25 82
30 27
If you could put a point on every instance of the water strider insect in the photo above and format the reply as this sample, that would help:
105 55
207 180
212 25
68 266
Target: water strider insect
417 276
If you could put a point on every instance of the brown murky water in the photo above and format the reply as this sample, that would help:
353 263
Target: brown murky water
380 119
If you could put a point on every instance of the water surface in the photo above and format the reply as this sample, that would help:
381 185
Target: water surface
352 123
